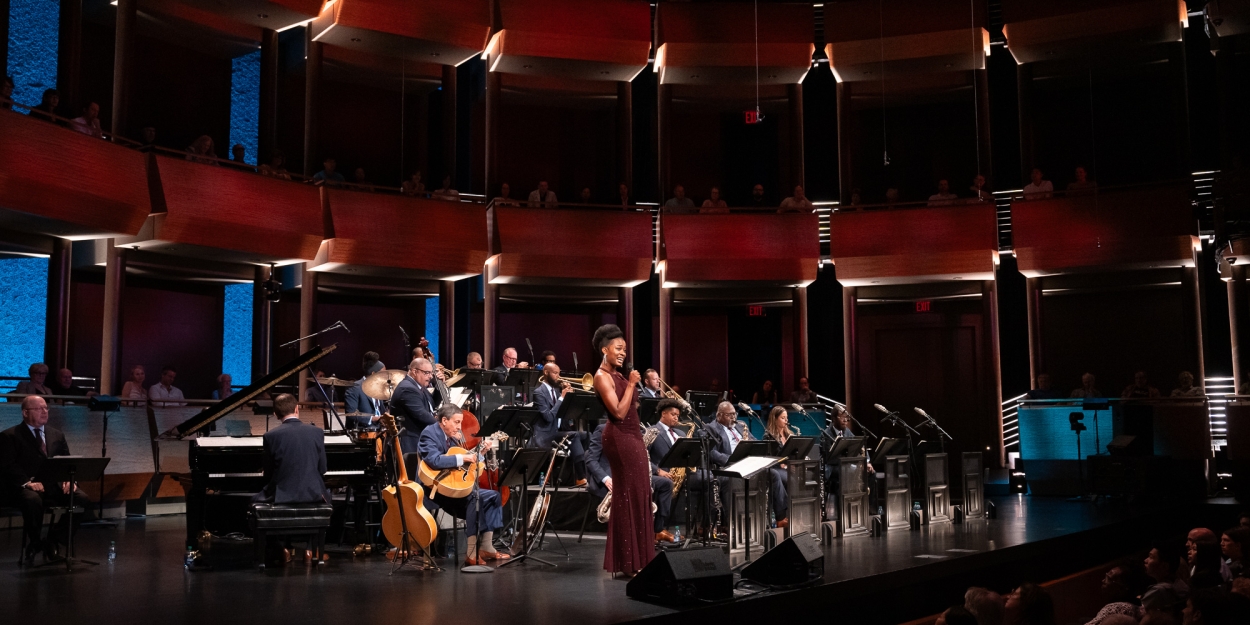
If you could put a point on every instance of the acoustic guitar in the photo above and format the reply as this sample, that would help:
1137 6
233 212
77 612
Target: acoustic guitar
409 496
456 482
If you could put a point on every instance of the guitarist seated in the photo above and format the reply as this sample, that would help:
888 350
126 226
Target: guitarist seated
433 445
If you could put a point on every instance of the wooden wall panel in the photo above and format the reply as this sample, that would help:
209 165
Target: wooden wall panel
913 243
782 249
84 186
605 247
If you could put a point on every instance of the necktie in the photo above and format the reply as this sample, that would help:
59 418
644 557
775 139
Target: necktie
43 444
734 433
673 435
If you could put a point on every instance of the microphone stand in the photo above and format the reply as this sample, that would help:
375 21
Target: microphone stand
848 414
943 436
334 414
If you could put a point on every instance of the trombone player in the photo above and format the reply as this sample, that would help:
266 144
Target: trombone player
548 398
651 384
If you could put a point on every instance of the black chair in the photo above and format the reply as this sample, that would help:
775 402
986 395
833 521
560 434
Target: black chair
298 519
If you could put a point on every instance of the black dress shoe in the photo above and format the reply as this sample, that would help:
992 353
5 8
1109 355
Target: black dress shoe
28 558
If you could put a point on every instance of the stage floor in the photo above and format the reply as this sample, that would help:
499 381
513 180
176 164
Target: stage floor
147 583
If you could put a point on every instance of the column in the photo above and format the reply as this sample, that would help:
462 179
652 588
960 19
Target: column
664 124
795 94
666 332
625 319
110 343
993 365
1024 92
447 324
984 147
800 332
262 319
56 332
449 130
267 125
4 34
490 324
494 88
1239 323
1033 299
123 48
1226 95
1179 90
850 356
625 134
69 59
312 106
846 180
307 317
1192 300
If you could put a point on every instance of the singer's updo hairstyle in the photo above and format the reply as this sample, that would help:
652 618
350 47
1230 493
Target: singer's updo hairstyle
605 335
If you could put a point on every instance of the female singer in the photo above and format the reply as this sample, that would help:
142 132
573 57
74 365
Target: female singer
630 537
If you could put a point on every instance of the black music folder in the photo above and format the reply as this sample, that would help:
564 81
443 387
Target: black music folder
582 409
685 452
796 447
846 447
751 448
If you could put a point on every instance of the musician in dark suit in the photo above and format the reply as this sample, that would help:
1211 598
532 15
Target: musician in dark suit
509 361
413 406
355 400
600 482
295 458
548 398
651 384
481 510
23 448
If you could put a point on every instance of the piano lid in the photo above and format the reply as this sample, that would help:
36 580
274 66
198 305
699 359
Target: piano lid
244 395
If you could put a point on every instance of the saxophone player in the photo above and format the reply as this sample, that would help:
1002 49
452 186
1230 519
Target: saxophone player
667 433
599 483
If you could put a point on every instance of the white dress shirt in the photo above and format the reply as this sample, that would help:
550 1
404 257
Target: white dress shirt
159 392
731 435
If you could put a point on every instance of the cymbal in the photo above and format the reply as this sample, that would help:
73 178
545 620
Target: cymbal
379 385
334 381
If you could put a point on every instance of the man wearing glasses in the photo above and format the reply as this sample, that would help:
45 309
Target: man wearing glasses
413 405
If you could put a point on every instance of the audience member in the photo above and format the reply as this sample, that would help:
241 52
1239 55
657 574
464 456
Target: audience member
1213 607
943 197
679 203
584 196
891 197
1186 386
757 197
329 174
797 203
238 154
1244 519
89 122
1038 189
714 203
64 385
1163 564
1042 389
622 196
1029 604
165 389
133 388
224 387
276 167
956 615
1161 605
980 192
1140 388
38 373
804 393
1082 185
201 151
1209 569
856 198
1121 587
46 110
148 136
542 196
1087 390
413 187
1233 546
6 93
505 196
359 177
984 604
767 395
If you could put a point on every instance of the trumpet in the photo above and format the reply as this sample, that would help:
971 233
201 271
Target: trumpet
587 382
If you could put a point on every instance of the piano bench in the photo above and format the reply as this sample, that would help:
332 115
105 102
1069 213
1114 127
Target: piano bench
293 519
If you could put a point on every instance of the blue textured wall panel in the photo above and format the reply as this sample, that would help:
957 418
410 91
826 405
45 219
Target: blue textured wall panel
431 323
236 344
245 104
33 33
23 309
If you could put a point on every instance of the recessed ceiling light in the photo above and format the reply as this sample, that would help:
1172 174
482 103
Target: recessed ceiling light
355 39
433 54
262 16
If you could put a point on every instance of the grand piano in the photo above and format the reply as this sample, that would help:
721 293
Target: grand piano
230 468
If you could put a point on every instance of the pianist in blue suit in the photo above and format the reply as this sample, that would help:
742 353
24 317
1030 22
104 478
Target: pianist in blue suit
412 405
479 520
548 397
295 458
355 400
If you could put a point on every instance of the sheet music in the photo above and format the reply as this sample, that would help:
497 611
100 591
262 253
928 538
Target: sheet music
459 395
749 466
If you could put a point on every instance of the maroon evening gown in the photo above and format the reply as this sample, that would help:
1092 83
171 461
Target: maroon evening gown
631 543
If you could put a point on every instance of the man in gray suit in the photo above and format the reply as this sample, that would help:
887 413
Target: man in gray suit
295 458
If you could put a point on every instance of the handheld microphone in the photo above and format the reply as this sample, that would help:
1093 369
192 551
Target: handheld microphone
626 369
921 412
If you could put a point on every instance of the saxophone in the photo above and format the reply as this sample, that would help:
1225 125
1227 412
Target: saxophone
605 507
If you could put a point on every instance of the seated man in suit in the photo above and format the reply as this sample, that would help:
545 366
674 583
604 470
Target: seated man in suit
509 361
23 449
355 400
548 398
413 405
481 510
295 458
727 434
600 483
667 434
651 384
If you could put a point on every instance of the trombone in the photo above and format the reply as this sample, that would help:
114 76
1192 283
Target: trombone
587 382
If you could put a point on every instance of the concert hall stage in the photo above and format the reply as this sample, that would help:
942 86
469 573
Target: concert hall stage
900 576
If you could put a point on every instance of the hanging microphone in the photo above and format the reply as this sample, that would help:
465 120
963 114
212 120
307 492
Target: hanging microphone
405 333
531 346
575 361
881 408
797 408
921 412
745 408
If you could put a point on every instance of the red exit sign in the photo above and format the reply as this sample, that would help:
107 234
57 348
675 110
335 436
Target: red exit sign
924 306
752 117
755 311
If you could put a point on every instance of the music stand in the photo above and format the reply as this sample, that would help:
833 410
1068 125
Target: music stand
746 468
888 447
525 464
796 447
580 408
72 469
523 379
846 447
646 410
750 448
474 379
515 421
703 403
495 396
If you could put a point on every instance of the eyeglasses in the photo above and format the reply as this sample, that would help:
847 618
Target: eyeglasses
426 371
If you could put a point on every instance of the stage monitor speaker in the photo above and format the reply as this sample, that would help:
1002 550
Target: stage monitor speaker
795 561
1128 445
684 576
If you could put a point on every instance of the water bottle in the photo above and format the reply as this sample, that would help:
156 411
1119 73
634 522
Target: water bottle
677 534
189 560
112 551
542 477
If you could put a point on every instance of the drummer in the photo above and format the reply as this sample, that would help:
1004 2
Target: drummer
363 412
